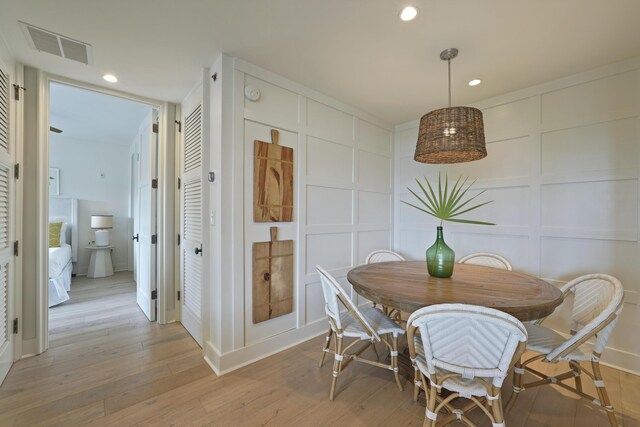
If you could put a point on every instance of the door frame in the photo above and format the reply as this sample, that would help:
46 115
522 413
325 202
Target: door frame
165 200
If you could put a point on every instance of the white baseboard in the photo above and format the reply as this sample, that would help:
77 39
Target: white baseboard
225 363
82 271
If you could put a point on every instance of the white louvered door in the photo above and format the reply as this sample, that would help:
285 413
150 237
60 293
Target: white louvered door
192 222
146 283
6 229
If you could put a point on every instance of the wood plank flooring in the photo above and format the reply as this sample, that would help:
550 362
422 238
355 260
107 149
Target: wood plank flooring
108 366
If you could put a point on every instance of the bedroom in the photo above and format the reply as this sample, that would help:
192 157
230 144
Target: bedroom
94 208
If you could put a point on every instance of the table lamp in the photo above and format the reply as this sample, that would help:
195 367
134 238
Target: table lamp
102 224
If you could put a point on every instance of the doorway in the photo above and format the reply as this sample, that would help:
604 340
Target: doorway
102 219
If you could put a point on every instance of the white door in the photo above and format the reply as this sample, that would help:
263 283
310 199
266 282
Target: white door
6 230
192 222
146 284
135 216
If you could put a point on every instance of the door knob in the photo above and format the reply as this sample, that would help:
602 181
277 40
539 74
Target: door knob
136 238
199 250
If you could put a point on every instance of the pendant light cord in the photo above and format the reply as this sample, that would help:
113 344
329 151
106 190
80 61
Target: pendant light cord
449 67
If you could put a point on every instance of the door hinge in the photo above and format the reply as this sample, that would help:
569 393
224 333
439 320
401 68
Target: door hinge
15 325
16 171
179 295
179 183
179 123
154 239
16 91
154 128
16 247
154 183
178 239
154 294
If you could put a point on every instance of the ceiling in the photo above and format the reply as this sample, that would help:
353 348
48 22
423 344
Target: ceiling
85 115
356 51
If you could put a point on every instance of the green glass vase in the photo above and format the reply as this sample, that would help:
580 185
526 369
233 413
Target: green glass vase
440 258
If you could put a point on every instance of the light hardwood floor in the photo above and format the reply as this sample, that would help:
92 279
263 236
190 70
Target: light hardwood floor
107 365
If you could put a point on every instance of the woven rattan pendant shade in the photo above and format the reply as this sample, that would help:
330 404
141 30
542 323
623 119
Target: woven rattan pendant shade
453 134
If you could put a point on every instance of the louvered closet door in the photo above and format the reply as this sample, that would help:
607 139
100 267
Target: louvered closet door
192 217
6 229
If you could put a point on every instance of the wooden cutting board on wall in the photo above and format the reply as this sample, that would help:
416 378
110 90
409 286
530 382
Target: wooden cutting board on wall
272 181
272 278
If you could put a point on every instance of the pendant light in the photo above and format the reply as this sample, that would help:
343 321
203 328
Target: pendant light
453 134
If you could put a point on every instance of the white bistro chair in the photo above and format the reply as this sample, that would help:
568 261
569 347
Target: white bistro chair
597 304
467 350
383 255
370 325
486 259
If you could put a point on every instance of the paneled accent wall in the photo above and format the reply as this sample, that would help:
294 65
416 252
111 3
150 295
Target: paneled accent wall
562 169
343 206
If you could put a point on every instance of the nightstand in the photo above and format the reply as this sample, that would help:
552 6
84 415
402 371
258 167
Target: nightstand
100 264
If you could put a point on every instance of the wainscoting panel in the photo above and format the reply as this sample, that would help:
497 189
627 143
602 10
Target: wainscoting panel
562 169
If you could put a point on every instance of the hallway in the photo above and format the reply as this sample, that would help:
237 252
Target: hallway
104 355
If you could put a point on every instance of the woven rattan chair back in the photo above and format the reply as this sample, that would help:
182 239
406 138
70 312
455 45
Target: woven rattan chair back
486 259
334 296
597 304
468 340
383 255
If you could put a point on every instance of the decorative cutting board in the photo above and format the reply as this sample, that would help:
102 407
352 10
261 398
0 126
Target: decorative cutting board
272 181
272 278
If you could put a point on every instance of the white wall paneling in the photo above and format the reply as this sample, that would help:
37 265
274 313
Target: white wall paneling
343 204
562 167
259 232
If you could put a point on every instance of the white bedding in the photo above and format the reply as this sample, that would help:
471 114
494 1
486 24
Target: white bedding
60 267
58 259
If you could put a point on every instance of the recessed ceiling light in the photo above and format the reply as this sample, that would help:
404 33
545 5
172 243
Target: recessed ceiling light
408 13
110 78
475 82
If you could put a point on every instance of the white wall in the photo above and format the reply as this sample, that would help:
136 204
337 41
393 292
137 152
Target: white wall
562 167
343 205
81 164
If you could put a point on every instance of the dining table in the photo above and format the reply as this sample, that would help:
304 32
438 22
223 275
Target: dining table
406 286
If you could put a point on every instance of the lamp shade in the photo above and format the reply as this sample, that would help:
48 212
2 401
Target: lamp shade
101 221
451 135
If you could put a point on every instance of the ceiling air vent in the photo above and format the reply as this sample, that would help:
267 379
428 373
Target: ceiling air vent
57 44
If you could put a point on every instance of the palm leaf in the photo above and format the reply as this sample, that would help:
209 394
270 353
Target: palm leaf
447 203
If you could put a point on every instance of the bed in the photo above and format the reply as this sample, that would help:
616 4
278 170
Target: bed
61 258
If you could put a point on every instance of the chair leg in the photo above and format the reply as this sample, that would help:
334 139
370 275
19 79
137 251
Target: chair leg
575 368
496 408
518 380
337 366
416 387
431 407
602 393
326 347
394 360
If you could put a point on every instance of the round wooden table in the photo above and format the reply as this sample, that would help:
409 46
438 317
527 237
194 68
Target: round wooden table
406 286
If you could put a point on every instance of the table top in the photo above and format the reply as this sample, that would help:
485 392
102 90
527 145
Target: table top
407 286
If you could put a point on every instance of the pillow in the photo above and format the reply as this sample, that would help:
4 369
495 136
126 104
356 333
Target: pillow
63 233
54 234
